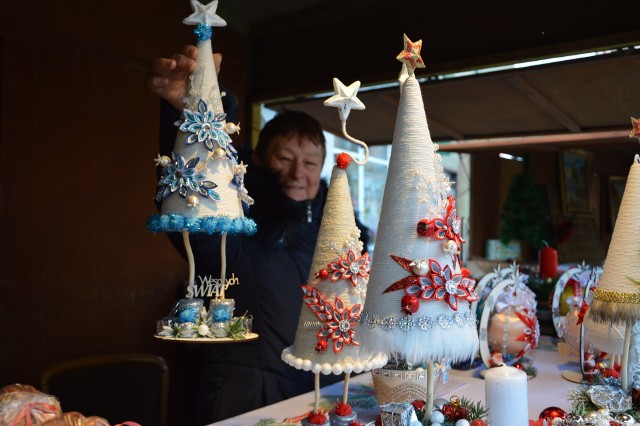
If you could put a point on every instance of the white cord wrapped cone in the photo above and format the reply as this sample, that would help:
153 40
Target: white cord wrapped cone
617 298
451 333
338 225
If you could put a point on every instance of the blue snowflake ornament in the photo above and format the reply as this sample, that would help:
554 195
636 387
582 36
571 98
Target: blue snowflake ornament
205 126
183 177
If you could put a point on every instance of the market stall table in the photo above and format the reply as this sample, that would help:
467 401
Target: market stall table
547 389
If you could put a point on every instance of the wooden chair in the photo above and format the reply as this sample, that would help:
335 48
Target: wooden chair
118 387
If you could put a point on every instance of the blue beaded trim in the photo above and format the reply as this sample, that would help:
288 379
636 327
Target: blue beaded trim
424 323
206 225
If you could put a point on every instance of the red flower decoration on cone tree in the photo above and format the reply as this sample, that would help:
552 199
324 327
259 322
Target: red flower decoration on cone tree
339 321
434 283
350 267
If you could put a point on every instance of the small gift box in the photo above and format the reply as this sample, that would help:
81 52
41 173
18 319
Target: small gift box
397 414
221 310
337 420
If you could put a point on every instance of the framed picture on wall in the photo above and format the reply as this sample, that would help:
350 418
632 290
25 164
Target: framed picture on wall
574 181
615 187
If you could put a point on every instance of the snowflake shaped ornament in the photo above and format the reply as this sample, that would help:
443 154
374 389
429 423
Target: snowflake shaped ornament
205 126
182 176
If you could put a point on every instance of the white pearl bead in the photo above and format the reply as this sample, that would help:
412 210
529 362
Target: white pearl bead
436 417
462 422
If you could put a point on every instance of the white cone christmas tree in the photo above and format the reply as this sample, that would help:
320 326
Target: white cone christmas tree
617 298
326 339
418 300
202 184
202 188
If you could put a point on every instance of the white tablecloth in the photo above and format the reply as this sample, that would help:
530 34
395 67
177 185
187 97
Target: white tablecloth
547 389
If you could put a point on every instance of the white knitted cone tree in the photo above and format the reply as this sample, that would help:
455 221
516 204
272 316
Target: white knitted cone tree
617 298
417 298
326 341
202 184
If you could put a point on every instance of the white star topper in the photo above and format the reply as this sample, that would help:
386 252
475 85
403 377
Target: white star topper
345 98
204 14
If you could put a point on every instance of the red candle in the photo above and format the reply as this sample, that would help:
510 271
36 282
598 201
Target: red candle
548 262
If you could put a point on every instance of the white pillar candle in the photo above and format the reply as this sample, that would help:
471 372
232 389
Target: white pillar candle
505 391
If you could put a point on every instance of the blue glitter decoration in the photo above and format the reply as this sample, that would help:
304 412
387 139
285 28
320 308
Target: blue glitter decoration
188 315
207 225
204 126
183 177
203 32
220 313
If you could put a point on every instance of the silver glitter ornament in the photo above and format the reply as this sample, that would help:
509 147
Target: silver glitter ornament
558 421
573 419
590 416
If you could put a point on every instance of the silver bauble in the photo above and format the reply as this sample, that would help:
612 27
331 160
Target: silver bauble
625 419
439 403
590 416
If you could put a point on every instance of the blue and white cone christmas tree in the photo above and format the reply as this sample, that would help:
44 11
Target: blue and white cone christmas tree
418 300
202 184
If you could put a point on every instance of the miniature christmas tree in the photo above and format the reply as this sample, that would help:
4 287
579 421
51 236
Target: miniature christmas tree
326 339
202 185
417 297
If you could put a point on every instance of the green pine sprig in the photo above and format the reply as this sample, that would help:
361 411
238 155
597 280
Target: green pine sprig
235 329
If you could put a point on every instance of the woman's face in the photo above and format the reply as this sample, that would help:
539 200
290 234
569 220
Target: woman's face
298 162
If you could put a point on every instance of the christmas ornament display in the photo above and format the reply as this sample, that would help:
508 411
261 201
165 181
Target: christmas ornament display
418 244
202 184
568 293
327 340
508 325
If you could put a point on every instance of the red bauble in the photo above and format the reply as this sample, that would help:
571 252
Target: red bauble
321 345
410 304
418 404
478 422
465 272
551 413
454 411
426 228
323 274
355 423
343 160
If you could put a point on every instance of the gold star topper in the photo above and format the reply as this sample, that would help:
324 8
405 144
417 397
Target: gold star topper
635 131
411 55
